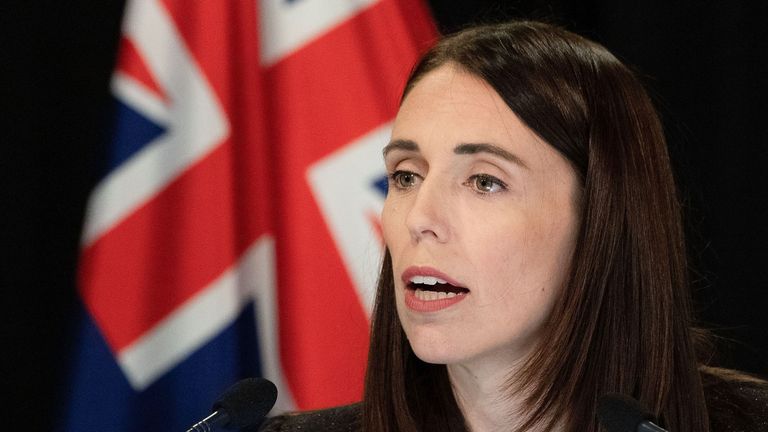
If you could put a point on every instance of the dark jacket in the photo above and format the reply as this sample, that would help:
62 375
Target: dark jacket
733 407
341 419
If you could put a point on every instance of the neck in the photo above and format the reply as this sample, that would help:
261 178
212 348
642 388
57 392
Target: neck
485 399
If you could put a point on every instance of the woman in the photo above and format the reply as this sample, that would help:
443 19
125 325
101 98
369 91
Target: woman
535 257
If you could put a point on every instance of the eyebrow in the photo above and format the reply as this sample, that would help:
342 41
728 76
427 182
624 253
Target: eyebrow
400 144
474 148
461 149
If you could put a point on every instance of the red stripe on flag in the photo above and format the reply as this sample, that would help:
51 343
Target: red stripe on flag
190 232
347 82
163 253
325 95
131 63
224 41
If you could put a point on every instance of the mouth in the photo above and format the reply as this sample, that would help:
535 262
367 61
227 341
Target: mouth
429 290
433 288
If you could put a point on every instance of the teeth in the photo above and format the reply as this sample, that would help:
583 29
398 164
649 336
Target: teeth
427 280
433 295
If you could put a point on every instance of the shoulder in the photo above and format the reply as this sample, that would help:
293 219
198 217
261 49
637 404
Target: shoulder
736 403
340 419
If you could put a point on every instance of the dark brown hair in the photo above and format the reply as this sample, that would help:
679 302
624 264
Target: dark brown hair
622 323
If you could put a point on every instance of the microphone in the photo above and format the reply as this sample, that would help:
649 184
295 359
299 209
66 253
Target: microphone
619 413
244 404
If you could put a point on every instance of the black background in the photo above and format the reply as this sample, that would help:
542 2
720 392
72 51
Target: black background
702 62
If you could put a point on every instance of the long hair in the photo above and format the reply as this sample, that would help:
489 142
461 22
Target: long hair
622 322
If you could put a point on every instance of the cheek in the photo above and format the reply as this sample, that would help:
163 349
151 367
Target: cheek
527 252
499 242
507 267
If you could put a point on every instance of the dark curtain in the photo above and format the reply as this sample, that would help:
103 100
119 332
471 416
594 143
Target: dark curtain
702 62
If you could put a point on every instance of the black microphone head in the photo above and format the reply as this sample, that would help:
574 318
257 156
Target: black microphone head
247 402
620 413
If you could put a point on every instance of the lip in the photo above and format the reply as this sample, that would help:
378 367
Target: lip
417 305
428 271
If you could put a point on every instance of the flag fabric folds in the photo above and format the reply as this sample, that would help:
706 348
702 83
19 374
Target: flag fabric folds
234 231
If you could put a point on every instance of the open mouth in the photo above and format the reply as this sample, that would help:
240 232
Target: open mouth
428 288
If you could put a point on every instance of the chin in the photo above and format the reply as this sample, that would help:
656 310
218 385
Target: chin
434 351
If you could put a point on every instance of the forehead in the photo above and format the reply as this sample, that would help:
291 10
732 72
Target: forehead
449 104
450 84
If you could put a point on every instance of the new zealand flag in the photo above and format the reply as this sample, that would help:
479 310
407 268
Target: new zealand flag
234 231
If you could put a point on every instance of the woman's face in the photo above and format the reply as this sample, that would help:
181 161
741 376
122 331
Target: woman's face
480 220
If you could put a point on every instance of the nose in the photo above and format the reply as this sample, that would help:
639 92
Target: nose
427 218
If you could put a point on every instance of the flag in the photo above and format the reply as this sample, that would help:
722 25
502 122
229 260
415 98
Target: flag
234 230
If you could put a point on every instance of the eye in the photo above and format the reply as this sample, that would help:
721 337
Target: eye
403 179
485 184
